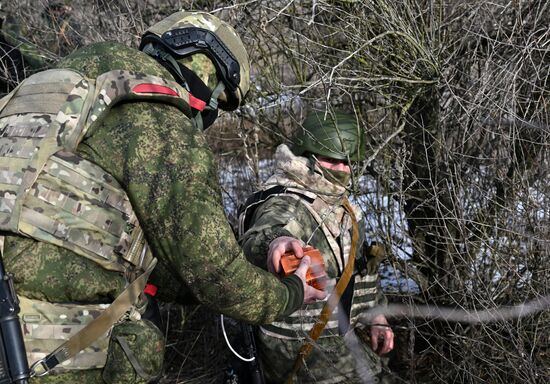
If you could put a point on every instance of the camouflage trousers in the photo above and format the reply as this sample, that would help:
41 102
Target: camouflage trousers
333 360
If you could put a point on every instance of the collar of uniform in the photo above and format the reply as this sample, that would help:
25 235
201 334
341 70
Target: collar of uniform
296 172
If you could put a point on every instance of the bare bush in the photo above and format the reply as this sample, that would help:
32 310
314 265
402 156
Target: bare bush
454 98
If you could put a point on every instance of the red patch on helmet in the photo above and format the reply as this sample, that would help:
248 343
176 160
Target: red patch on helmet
154 88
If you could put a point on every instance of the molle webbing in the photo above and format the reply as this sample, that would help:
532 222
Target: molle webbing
296 325
46 326
49 193
77 205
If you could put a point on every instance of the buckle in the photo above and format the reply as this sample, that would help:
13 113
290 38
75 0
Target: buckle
39 364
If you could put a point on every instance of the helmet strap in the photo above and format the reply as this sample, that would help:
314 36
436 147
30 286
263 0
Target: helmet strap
190 81
167 61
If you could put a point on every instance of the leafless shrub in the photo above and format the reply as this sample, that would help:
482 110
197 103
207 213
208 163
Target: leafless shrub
454 98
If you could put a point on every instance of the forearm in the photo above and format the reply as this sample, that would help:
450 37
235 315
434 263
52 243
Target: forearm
205 253
170 176
256 245
277 217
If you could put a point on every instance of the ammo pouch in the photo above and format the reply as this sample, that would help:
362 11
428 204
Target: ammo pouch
130 352
47 325
135 353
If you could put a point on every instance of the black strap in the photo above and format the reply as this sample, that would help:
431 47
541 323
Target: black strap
187 79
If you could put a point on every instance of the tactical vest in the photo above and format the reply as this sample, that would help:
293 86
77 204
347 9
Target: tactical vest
51 194
364 285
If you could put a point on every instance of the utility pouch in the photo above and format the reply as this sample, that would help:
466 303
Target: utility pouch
135 354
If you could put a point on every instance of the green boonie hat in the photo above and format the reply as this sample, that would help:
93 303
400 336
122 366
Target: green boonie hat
186 33
336 137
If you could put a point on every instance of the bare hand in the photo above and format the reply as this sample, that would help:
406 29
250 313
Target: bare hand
381 336
310 294
278 247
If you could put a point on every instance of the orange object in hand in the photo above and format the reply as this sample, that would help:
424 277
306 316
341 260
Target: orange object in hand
316 275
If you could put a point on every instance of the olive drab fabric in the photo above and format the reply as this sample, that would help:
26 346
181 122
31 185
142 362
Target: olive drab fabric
336 135
310 208
135 354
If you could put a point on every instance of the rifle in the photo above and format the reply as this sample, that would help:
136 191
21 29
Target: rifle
14 367
255 370
244 369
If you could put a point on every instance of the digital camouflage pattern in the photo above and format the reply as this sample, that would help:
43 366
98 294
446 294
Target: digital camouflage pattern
47 272
165 166
311 210
135 353
74 203
170 175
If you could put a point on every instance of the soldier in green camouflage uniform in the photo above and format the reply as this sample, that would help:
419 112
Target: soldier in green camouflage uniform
302 203
136 182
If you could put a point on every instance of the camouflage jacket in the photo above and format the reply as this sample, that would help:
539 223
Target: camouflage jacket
309 208
295 211
169 173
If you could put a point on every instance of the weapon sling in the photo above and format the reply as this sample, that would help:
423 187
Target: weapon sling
97 327
333 300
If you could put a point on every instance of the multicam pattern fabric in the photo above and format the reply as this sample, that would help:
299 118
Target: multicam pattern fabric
89 376
74 203
222 30
46 326
202 66
310 209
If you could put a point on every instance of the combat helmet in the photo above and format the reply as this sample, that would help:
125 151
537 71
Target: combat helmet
336 136
187 33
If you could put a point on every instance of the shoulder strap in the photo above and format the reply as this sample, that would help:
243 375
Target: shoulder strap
333 300
247 209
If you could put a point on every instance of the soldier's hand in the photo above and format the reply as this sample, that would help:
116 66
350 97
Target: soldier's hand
278 247
310 294
381 336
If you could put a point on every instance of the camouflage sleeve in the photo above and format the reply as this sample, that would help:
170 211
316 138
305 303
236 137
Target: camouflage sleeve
171 178
278 216
284 216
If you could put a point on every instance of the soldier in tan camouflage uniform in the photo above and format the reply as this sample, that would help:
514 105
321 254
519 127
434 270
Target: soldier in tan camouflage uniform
105 172
303 203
